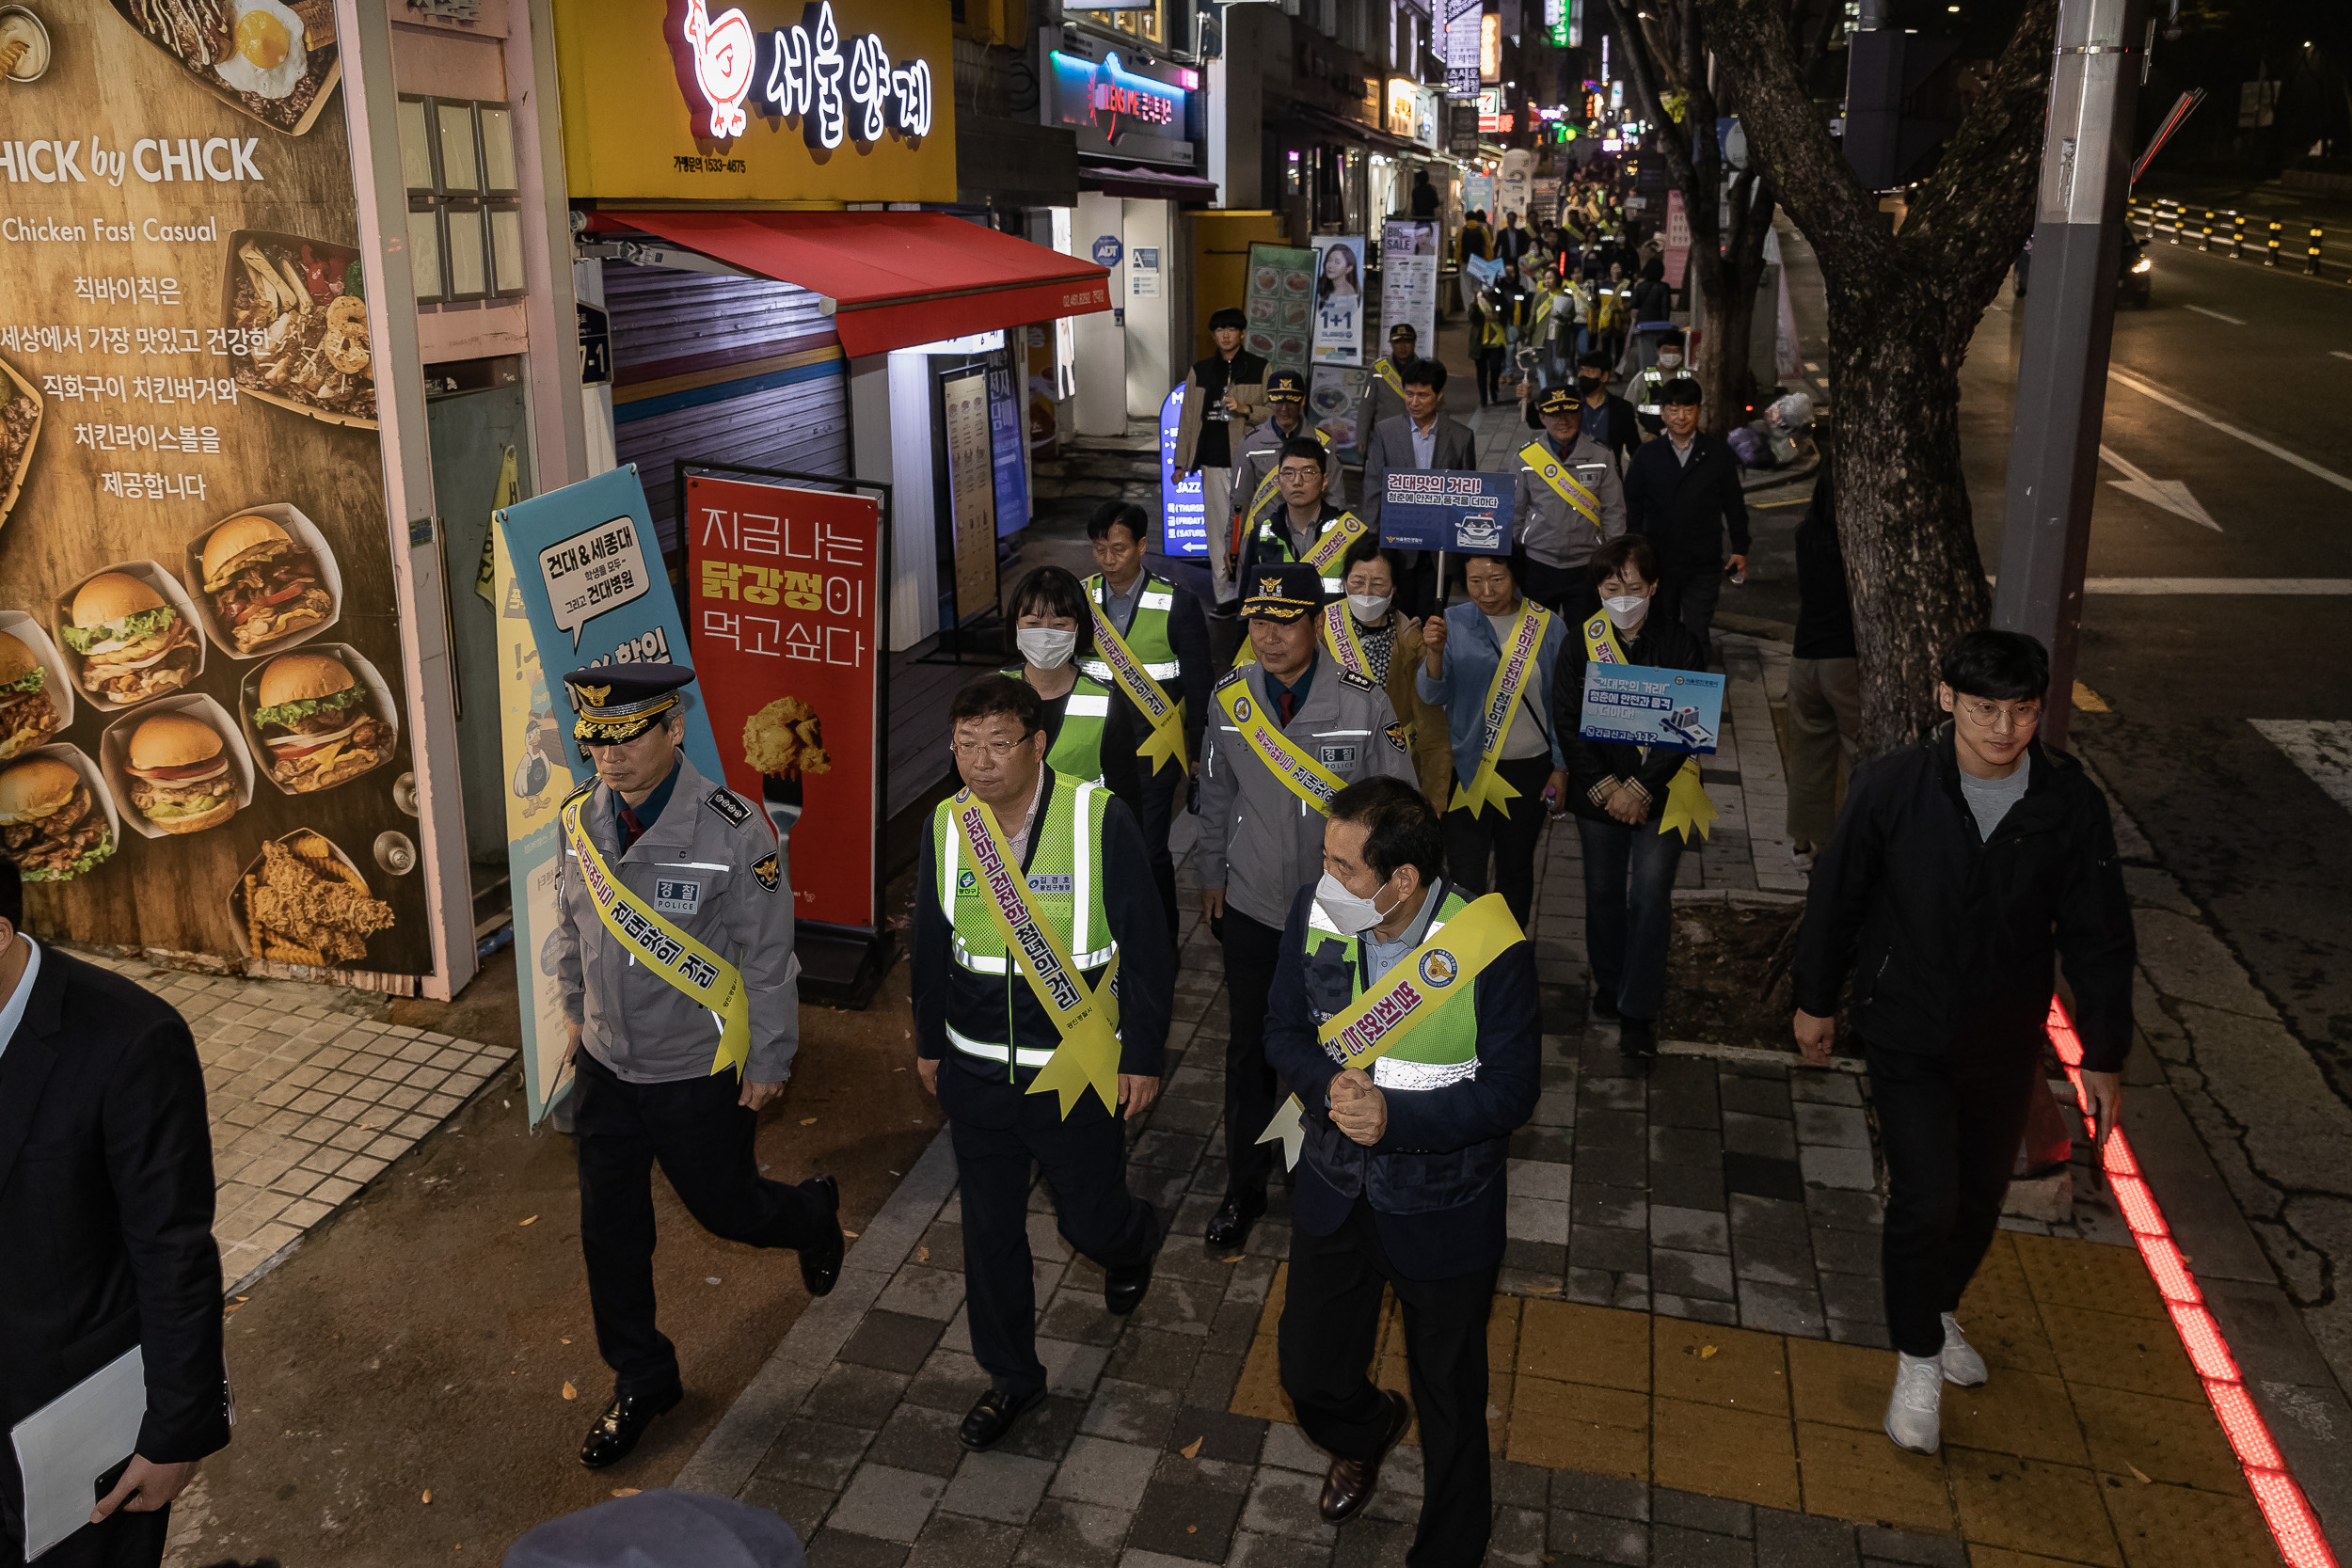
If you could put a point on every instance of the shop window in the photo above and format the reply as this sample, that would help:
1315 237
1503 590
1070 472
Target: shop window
464 216
1148 22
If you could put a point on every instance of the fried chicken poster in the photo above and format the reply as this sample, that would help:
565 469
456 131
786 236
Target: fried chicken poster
784 606
204 724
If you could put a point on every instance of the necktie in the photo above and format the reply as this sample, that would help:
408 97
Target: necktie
632 829
1286 703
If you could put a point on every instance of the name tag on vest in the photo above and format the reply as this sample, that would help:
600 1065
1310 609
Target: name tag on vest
1336 756
677 897
1053 881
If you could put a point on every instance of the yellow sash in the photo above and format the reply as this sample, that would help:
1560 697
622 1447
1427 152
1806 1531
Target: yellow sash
1344 530
1347 649
1301 774
1564 483
698 974
1686 805
1386 367
1407 996
1488 786
1164 713
1087 1019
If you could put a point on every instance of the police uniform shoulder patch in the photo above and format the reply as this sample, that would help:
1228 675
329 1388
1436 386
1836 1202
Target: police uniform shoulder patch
1362 683
1237 673
729 805
769 870
580 791
1400 736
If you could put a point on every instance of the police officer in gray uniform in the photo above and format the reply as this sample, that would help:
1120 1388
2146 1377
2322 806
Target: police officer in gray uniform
1557 537
653 1084
1262 838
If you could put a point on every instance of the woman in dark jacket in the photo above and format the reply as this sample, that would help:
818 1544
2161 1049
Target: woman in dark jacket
1618 792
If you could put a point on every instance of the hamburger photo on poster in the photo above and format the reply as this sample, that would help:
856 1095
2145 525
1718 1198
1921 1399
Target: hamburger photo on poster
28 711
52 823
264 587
132 642
314 717
182 780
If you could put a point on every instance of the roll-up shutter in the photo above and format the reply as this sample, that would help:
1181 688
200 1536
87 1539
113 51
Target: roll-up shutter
712 369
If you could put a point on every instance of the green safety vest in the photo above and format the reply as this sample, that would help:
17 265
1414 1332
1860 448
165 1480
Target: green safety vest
1077 752
1147 636
1275 531
1444 1049
1065 893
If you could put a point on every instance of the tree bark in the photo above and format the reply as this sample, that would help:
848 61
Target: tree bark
1901 312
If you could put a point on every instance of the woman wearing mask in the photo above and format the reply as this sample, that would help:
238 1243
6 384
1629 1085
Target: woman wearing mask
1087 734
1365 632
1496 655
1618 794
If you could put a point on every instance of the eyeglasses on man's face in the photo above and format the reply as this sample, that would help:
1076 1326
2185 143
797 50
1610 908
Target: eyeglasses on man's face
1987 714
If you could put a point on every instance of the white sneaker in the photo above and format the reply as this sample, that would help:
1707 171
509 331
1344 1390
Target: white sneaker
1962 1366
1914 1415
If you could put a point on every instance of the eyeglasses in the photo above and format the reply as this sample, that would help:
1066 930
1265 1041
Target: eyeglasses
996 750
1299 476
1985 714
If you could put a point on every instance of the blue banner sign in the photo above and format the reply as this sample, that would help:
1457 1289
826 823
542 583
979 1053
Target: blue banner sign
1183 513
1447 509
1633 705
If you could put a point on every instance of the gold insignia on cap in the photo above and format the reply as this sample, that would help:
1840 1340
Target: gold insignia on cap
594 696
1271 587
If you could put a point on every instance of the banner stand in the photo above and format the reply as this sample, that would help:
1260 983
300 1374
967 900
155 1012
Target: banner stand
841 964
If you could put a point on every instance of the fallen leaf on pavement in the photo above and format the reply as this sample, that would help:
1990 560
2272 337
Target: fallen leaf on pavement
1192 1450
808 1121
1707 1353
851 1234
922 1255
2137 1473
571 1392
625 1491
428 1495
567 1338
1235 1258
519 1224
1192 1530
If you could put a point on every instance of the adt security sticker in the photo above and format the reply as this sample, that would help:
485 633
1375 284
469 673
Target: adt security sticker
680 897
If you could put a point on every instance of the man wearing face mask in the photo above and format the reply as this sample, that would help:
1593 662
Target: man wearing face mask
1402 1122
1609 419
1256 490
1646 385
1566 504
1367 633
1290 729
1682 492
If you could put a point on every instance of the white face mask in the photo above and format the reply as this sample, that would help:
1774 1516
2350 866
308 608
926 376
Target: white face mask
1045 647
1626 611
1669 361
1369 607
1343 908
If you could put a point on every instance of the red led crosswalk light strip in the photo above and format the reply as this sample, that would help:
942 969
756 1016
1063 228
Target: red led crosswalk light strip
2285 1510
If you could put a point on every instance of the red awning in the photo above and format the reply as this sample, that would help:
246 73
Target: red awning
892 279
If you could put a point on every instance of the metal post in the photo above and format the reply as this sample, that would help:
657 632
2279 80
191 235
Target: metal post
2069 322
2270 251
2310 256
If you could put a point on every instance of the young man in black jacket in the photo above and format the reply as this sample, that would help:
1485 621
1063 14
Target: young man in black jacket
1683 491
1963 869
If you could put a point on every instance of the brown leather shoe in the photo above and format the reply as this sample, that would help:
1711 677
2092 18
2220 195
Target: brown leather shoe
1350 1483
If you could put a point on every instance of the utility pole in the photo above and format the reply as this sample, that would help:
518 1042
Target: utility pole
2100 61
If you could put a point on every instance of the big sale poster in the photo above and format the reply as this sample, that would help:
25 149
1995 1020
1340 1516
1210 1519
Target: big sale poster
784 595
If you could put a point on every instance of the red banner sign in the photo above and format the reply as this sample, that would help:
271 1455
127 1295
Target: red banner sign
784 602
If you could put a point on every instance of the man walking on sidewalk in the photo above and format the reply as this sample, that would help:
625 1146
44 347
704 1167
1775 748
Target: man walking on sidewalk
1965 868
1683 492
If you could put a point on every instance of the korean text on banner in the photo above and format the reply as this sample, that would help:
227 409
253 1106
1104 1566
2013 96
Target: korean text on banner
588 581
1184 516
1408 275
1339 311
783 588
1005 452
1447 509
1633 705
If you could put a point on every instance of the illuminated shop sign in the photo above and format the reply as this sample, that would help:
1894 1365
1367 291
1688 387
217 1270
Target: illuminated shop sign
1100 93
835 87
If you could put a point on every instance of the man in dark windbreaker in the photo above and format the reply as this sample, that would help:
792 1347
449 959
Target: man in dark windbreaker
1965 868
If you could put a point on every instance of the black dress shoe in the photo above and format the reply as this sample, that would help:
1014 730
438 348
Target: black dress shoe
1604 1007
820 1265
1229 1226
995 1414
1637 1038
1123 1288
1349 1484
624 1422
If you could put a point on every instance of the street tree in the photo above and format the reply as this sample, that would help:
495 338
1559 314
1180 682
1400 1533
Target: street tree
1902 305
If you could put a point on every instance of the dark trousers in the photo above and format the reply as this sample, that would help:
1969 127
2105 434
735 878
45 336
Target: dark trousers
1251 952
1567 592
1490 376
1950 1126
1155 802
1509 840
1629 909
704 1141
1330 1326
1689 594
998 1130
121 1540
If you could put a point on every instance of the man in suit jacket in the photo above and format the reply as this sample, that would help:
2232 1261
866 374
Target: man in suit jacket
106 1226
1682 491
1401 1177
1421 438
1610 421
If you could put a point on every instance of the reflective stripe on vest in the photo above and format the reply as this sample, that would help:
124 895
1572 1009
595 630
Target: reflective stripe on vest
1078 911
1146 635
1077 750
1273 532
1444 1049
987 1051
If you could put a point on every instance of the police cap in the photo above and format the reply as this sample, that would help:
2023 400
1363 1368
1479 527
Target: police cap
1286 386
1283 592
613 702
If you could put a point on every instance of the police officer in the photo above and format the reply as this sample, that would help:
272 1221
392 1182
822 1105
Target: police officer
1291 728
1566 504
1165 637
1295 528
985 1025
671 1067
1401 1176
1384 394
1647 385
1255 496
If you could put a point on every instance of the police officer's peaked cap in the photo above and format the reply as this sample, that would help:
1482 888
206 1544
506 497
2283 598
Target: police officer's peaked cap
1281 592
1405 331
621 702
656 1530
1286 386
1560 400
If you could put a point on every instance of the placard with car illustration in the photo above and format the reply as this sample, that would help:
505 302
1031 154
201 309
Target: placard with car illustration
202 718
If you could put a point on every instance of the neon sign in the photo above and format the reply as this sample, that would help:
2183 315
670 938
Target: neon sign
836 89
1109 91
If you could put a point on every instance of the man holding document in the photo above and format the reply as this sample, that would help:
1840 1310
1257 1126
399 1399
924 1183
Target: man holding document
106 1225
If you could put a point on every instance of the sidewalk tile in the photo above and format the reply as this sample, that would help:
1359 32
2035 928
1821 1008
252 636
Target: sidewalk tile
859 1397
2168 1440
886 1503
1785 1540
1186 1523
891 1341
1690 1548
1597 1538
1791 1310
952 1541
1851 1473
914 1439
1773 1138
1735 1367
2175 1527
1285 1502
1848 1168
1882 1544
1004 1487
1130 1412
2026 1414
2112 1351
1689 1229
1843 1126
1100 1470
1704 1275
1567 1342
1066 1534
1572 1427
1746 1454
801 1507
2030 1506
1696 1511
1774 1260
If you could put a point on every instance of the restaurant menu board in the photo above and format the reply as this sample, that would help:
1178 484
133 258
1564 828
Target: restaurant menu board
1280 303
970 491
784 601
203 720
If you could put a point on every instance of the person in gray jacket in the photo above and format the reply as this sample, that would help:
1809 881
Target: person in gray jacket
1421 438
669 857
1565 508
1261 831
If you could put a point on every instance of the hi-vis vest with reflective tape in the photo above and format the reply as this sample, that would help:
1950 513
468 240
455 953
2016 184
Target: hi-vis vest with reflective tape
1444 1049
1065 893
1077 752
1147 636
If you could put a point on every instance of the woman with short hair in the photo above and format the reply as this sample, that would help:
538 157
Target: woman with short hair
1365 632
1087 735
